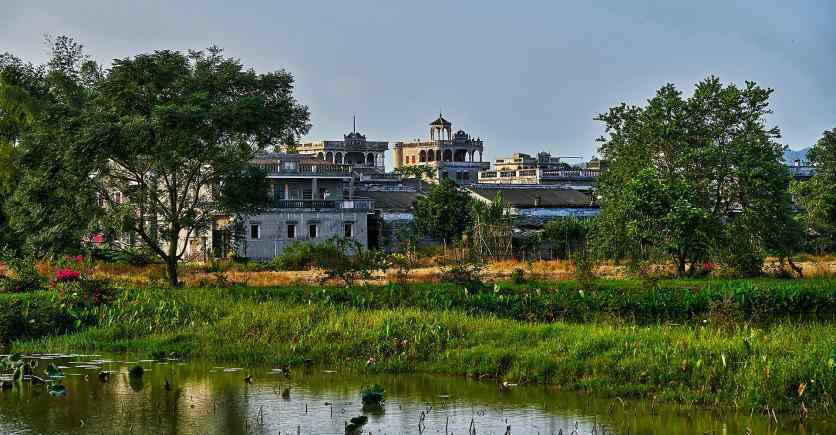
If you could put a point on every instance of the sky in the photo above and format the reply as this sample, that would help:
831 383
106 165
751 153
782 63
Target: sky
525 76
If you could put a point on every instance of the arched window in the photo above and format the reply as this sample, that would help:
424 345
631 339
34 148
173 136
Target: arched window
338 158
448 156
431 156
422 156
320 155
370 159
459 156
329 156
438 155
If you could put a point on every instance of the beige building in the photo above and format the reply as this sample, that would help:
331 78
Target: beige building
456 156
363 156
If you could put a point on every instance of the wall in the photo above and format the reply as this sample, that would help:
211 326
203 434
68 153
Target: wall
274 238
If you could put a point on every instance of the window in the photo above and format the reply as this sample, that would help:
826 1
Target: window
349 231
255 231
291 231
312 233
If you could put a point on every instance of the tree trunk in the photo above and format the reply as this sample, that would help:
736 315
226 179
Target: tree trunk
795 268
171 267
680 266
171 260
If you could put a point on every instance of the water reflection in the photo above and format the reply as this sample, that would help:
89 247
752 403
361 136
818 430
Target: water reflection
203 399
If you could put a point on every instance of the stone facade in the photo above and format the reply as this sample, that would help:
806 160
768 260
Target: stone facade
457 156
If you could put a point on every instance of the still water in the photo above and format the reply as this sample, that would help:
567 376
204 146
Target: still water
194 397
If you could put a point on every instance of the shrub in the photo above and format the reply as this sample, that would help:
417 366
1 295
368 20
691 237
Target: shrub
465 271
518 276
304 256
25 276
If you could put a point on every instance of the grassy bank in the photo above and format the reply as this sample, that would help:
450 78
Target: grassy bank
742 363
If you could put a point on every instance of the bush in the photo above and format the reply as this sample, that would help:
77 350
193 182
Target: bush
465 271
31 315
25 276
304 256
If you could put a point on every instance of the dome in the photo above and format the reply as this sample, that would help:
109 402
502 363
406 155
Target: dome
461 135
441 122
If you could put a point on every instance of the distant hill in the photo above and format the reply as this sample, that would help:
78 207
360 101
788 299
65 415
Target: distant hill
792 155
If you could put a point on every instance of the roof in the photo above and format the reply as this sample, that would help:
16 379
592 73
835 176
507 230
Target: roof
392 200
533 196
268 156
441 121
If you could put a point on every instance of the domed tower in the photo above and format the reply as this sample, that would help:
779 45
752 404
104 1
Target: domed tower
441 129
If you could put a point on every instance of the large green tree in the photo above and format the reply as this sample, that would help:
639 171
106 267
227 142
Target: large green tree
817 196
49 201
444 212
172 133
695 178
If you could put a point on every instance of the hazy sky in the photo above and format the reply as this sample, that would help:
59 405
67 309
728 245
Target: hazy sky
523 75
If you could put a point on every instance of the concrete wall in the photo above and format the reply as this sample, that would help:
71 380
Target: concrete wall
273 227
296 188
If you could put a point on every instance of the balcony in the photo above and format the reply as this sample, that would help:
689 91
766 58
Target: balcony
325 204
296 169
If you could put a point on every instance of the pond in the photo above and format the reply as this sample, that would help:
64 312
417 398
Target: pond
194 397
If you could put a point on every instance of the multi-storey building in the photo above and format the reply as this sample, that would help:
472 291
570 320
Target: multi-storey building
445 154
543 169
312 200
363 156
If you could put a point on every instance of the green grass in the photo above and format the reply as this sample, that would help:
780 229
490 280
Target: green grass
693 349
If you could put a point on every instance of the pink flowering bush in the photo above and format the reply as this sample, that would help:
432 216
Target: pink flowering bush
78 293
67 275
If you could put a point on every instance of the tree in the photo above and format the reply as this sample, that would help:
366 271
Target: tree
694 177
173 135
444 212
51 204
817 196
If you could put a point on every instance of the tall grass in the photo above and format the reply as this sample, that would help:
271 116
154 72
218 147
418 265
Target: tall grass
750 367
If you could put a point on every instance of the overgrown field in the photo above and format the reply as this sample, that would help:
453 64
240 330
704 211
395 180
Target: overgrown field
700 342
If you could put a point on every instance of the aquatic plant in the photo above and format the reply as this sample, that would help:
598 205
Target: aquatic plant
54 372
57 390
355 425
136 371
373 395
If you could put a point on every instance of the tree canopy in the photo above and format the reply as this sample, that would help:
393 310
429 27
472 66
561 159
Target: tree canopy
694 179
817 196
157 146
444 212
175 132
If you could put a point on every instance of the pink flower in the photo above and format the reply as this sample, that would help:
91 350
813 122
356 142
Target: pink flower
66 274
708 266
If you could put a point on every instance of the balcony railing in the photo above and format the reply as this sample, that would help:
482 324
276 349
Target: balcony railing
582 173
295 168
325 204
551 173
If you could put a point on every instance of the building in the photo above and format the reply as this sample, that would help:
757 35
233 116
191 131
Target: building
363 156
312 200
456 156
543 160
543 169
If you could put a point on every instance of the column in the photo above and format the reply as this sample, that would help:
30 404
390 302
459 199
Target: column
314 189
